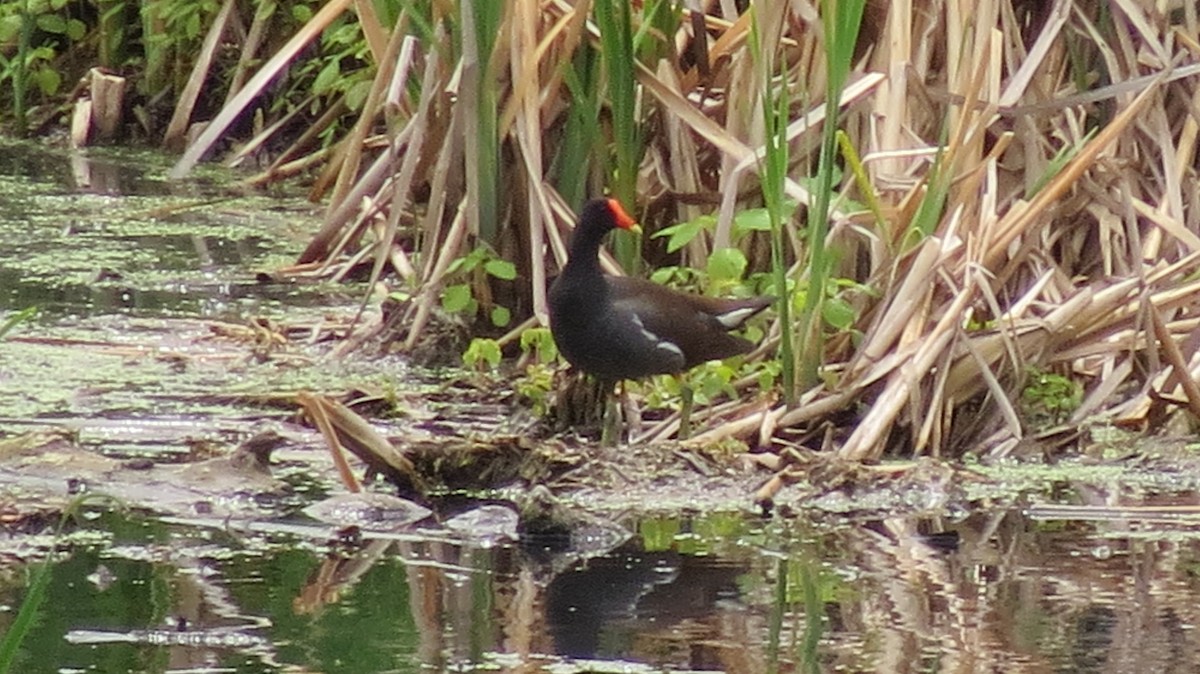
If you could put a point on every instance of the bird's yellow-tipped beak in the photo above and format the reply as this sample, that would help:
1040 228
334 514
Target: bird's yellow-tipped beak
635 228
622 219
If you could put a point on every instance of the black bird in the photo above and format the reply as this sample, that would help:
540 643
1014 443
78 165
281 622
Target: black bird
616 327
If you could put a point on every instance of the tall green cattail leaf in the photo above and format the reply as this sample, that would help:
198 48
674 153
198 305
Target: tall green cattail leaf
581 131
615 20
841 19
775 107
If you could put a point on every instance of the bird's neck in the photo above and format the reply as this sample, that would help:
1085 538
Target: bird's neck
584 257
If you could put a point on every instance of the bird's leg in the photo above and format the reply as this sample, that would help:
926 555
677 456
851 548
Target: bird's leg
686 396
612 417
632 414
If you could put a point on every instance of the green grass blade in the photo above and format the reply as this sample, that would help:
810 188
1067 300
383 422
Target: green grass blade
27 615
776 106
841 20
17 319
482 20
937 188
35 600
854 163
582 129
615 20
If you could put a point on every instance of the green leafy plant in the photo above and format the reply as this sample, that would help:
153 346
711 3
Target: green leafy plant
745 222
459 298
724 274
536 386
708 382
537 383
838 313
1049 398
581 131
482 351
614 18
343 69
37 27
540 342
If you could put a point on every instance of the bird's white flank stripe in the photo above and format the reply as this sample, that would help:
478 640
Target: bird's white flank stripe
659 343
734 318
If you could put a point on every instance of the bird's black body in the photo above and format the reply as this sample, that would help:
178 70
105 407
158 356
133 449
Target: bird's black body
618 328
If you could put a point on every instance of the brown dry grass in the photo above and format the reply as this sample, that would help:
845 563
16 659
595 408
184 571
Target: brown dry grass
1035 164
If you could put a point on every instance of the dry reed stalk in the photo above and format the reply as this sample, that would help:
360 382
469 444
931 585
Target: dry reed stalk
682 160
397 258
446 187
266 134
347 172
320 413
401 186
1181 375
430 292
373 31
249 50
334 234
178 126
529 140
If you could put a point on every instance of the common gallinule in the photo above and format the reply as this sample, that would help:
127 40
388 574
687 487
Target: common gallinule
617 327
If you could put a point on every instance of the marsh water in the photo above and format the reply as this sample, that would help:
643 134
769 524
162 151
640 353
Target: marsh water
144 347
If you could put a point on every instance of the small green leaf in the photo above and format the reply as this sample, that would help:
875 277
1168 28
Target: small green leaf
662 275
541 342
659 534
76 29
467 262
39 54
768 373
331 73
711 381
754 333
501 269
501 316
838 313
548 350
482 351
727 264
456 298
530 338
48 80
52 23
682 233
192 26
10 27
356 96
16 319
812 183
752 220
799 299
